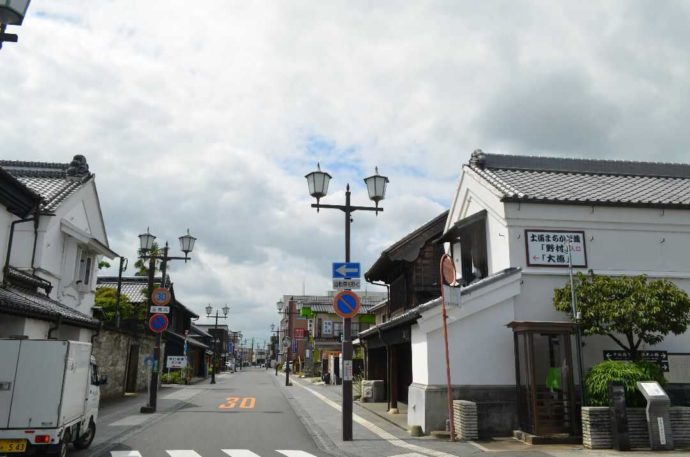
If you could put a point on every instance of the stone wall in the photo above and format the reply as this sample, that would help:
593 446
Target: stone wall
496 407
596 427
111 349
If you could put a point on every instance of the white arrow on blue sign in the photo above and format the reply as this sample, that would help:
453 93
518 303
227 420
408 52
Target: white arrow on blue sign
346 270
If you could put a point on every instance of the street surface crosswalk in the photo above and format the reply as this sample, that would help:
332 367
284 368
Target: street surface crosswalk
229 452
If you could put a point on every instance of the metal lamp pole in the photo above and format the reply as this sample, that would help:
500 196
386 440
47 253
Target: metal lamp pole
318 188
209 310
146 240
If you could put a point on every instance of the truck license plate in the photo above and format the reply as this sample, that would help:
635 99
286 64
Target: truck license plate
12 445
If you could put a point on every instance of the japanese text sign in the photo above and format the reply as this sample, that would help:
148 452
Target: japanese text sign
550 248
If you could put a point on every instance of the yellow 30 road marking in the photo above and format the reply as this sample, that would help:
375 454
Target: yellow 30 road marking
242 402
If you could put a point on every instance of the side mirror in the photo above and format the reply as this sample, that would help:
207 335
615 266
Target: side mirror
102 380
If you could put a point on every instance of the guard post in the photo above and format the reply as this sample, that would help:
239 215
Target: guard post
658 419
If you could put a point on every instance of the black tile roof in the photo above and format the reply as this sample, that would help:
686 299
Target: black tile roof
406 248
22 302
328 307
54 182
134 286
585 181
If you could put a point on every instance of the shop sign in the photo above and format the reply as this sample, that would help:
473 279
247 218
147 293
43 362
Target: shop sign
327 328
553 248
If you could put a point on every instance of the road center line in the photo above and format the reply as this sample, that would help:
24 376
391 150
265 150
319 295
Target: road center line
392 439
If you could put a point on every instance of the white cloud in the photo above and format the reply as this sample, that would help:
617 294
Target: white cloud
208 117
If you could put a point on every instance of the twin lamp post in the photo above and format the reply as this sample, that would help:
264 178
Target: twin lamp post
146 241
318 188
209 310
12 12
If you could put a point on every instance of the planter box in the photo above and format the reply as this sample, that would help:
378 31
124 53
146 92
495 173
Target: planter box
596 427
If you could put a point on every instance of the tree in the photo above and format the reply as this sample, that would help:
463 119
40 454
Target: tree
142 265
106 300
630 310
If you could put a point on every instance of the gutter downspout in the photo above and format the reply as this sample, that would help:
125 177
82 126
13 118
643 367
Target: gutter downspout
37 221
58 324
96 333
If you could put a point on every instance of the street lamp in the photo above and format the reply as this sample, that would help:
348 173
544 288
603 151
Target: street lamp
12 12
146 242
318 188
209 310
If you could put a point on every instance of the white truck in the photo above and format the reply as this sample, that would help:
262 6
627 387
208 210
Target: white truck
48 396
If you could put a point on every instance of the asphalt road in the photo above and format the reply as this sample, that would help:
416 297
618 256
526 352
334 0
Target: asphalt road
244 413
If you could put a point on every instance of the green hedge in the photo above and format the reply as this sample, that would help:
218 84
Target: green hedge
599 376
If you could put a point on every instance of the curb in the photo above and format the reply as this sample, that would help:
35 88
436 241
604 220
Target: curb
323 442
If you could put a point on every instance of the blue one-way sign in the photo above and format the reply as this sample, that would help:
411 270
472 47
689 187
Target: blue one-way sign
346 270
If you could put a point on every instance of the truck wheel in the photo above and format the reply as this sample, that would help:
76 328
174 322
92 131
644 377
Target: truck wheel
84 440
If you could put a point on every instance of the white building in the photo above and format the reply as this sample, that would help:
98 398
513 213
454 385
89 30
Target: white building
51 249
624 218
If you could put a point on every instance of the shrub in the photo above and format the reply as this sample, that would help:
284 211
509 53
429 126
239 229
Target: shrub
629 373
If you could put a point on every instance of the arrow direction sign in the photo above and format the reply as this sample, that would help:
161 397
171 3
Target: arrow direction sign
346 270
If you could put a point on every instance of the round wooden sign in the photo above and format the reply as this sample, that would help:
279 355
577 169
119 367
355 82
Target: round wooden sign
448 270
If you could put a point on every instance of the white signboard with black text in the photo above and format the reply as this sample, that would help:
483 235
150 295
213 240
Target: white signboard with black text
551 248
175 361
327 328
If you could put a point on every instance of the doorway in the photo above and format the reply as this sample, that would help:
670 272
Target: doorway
132 369
545 387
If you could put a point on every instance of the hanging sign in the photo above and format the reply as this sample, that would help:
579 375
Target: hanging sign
554 248
327 328
161 296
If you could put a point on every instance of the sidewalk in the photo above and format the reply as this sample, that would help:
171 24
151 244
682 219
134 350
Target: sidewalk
120 418
374 434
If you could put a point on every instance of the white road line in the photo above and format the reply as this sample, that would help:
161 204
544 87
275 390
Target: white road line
181 394
480 447
289 453
136 419
240 453
392 439
414 454
125 454
183 453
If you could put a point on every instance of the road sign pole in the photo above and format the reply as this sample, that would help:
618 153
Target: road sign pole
347 335
153 387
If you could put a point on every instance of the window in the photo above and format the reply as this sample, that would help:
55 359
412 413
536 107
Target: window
84 267
337 328
355 327
472 252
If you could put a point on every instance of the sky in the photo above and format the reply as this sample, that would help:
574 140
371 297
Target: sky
207 116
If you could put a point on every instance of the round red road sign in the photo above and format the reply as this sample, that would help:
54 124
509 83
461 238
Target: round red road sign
161 296
346 304
448 270
158 323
